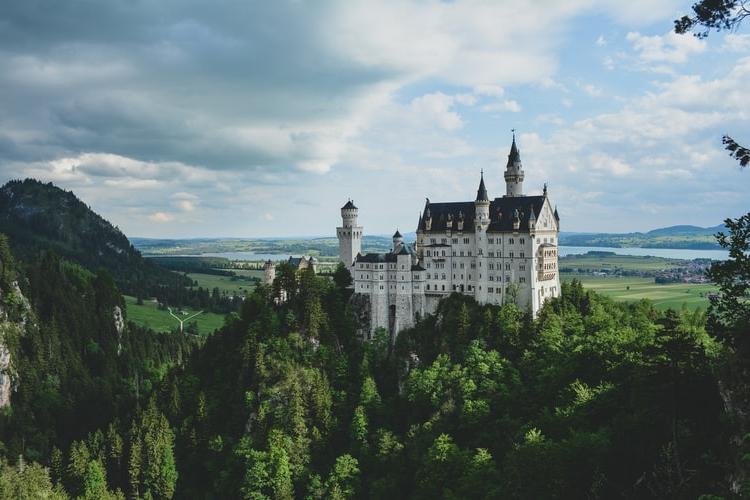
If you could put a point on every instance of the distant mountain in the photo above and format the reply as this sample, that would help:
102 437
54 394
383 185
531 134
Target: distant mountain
682 236
37 217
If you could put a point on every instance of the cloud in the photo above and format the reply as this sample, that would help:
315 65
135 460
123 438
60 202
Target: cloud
734 42
670 48
601 41
437 108
196 111
161 217
506 105
592 90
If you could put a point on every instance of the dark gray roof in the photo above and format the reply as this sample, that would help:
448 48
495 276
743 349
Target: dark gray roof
349 204
417 267
397 234
502 214
377 257
514 156
482 191
386 257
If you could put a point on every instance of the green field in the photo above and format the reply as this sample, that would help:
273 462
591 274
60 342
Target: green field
233 286
634 289
593 262
149 315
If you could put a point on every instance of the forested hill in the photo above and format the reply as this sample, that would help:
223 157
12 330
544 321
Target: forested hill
682 236
38 217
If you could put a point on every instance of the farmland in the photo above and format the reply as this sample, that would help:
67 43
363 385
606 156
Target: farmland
630 289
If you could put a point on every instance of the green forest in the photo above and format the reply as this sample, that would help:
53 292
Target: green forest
592 399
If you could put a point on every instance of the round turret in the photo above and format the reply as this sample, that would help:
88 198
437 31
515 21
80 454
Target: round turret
349 214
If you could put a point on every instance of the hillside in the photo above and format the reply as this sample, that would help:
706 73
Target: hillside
38 217
682 236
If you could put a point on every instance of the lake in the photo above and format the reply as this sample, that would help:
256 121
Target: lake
670 253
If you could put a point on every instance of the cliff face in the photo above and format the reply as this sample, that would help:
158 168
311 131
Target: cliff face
15 315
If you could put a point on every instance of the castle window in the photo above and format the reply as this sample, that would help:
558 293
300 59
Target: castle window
462 265
381 276
521 255
490 254
454 265
521 268
511 255
454 240
479 251
491 278
491 266
443 253
462 253
443 287
522 241
522 280
469 253
490 240
443 275
466 241
443 241
428 286
432 241
381 287
490 289
510 241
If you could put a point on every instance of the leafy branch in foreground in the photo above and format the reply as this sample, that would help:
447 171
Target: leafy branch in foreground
739 153
713 14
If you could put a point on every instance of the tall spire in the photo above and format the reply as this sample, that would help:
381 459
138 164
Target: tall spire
482 191
514 171
514 156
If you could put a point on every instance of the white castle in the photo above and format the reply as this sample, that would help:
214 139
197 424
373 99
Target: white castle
497 251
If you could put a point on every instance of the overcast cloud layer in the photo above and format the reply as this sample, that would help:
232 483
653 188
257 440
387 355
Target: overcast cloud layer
236 118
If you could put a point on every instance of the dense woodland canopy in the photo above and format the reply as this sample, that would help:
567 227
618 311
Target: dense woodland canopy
593 399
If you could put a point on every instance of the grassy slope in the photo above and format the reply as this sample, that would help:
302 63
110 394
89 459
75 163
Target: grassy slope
149 315
226 283
663 296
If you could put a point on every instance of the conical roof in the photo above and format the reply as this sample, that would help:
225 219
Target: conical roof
482 191
514 156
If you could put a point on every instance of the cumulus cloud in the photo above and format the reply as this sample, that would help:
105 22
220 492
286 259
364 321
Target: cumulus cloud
670 48
179 111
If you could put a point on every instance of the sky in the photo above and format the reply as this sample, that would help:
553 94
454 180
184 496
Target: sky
234 118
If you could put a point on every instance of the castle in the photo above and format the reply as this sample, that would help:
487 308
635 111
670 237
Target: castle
497 251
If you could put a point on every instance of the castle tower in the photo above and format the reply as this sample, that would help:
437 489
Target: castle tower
398 241
269 270
514 172
349 235
482 205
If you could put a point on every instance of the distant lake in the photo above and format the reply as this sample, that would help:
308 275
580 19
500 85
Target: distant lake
669 253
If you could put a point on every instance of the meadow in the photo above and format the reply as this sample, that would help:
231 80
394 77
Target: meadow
631 289
239 285
149 315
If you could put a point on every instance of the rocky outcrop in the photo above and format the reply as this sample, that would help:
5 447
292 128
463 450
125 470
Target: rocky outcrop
15 316
362 313
119 326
